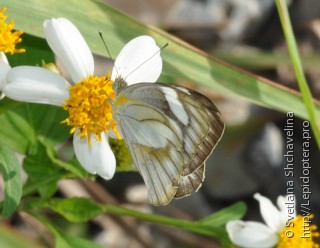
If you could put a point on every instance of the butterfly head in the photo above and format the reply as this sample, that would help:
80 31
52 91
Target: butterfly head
118 84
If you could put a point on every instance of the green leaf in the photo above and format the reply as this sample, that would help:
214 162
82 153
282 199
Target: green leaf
75 209
11 172
45 169
7 104
39 167
252 58
37 51
46 122
23 124
16 132
220 218
181 61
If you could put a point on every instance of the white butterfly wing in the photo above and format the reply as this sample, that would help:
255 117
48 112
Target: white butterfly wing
170 132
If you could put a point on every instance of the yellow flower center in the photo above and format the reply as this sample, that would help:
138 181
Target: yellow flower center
299 233
90 107
9 38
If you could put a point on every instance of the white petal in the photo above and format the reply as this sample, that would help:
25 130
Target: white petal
3 58
251 234
270 214
286 204
68 44
96 158
4 68
139 61
37 85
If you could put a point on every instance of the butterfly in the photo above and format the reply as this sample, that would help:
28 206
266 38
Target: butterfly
170 131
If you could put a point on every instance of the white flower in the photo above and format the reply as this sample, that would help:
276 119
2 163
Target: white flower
38 85
4 68
253 234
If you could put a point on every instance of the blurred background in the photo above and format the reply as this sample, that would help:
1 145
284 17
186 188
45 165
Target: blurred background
250 157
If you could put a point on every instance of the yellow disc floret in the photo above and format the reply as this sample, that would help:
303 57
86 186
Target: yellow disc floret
300 233
9 38
90 107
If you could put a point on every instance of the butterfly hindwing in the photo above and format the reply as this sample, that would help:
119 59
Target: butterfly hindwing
193 175
170 132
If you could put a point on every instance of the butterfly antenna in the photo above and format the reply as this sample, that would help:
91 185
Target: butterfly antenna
105 45
161 48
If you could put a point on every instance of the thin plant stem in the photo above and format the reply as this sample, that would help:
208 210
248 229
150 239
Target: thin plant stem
295 57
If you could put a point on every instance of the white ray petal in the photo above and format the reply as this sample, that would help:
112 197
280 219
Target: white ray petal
286 204
69 45
4 68
270 214
97 158
37 85
3 58
139 61
251 234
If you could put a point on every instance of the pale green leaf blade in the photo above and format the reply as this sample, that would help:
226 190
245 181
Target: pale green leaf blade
182 62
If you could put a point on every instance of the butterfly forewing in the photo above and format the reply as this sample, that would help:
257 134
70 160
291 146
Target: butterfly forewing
170 132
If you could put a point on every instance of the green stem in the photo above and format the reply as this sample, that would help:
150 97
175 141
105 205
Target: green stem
158 219
295 57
